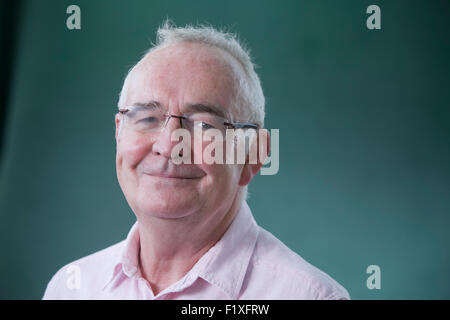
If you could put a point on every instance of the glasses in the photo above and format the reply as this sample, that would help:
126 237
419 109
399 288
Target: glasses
150 119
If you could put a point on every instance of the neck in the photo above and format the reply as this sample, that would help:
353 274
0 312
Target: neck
169 248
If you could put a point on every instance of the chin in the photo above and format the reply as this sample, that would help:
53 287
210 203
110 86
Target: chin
167 206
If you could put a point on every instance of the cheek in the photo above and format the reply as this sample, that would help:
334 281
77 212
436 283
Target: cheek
226 172
221 182
131 152
221 176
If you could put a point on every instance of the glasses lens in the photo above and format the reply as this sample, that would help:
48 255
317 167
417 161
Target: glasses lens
204 122
145 119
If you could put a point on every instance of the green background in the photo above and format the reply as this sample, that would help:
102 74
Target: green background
364 135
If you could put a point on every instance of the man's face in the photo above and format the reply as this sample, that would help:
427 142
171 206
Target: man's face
176 77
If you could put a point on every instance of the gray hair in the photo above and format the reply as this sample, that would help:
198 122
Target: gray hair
250 99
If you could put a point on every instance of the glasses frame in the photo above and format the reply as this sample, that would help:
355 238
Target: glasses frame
234 125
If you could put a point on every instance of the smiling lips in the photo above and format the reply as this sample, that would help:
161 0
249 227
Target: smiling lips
168 170
170 176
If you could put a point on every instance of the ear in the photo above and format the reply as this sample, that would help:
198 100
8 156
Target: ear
262 143
118 123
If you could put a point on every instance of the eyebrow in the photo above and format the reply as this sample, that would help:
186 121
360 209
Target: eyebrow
148 105
201 107
195 107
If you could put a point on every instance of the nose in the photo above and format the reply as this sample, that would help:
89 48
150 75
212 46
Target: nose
163 144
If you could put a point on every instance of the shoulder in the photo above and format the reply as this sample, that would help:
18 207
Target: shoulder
283 274
82 278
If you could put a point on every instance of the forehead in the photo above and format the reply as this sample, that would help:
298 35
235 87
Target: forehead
181 74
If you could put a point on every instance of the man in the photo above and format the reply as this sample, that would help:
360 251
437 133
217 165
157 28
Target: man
195 236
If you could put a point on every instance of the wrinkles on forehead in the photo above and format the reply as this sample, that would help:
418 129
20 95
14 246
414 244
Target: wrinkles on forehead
184 73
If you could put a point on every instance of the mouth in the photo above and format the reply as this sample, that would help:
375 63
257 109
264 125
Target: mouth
166 171
171 176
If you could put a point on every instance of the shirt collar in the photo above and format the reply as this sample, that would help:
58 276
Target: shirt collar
224 265
127 262
231 255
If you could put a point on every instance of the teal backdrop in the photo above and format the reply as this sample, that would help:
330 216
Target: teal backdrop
364 126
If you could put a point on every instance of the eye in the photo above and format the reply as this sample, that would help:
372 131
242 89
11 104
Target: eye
205 126
148 120
147 123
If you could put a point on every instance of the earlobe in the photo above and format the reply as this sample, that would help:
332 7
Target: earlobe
248 172
118 126
245 176
263 148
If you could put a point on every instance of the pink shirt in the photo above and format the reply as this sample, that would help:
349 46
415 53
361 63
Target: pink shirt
248 262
